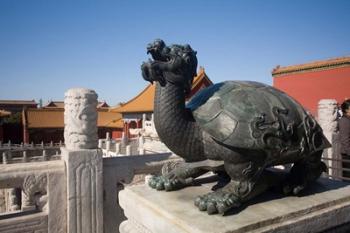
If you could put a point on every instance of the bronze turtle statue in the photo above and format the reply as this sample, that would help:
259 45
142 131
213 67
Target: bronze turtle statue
233 128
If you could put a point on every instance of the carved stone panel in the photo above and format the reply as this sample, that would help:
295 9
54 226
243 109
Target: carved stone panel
34 190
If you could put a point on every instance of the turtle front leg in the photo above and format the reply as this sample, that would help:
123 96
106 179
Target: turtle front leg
248 180
181 174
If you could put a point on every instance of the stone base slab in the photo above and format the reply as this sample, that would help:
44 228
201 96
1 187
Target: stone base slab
324 206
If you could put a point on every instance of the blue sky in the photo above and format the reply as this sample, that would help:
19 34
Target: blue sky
47 47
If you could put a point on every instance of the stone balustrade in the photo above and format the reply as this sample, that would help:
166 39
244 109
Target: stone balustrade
36 190
29 155
134 146
116 147
9 145
62 191
123 170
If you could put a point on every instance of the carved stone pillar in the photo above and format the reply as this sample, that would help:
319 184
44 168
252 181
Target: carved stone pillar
327 118
83 163
80 119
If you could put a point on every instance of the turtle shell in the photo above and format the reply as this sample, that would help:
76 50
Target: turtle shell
253 115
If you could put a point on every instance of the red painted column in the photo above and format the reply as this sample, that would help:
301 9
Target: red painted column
1 133
126 130
25 134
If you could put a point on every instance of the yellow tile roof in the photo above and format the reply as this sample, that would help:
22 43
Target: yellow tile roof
18 102
53 118
60 104
109 119
54 104
143 102
44 118
316 65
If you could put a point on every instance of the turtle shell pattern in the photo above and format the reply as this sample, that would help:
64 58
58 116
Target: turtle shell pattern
245 114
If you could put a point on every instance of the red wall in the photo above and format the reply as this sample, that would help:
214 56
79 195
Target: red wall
308 88
117 133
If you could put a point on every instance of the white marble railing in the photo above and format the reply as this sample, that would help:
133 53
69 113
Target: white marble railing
36 197
9 145
19 153
78 191
134 146
119 147
29 155
120 171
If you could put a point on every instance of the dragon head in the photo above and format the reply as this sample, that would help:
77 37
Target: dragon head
176 64
156 50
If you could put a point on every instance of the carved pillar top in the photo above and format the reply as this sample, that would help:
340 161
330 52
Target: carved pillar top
80 119
327 114
327 117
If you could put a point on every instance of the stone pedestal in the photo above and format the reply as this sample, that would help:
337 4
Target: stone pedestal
84 190
326 205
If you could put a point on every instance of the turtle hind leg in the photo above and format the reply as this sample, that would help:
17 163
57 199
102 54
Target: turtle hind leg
304 172
247 181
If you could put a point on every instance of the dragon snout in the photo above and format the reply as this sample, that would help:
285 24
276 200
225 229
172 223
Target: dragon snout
150 73
150 48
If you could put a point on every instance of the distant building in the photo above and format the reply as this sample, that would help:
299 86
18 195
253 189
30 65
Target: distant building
60 104
3 114
47 124
54 105
309 83
15 106
142 105
11 127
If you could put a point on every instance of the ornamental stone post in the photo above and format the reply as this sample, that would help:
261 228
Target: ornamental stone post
83 162
327 118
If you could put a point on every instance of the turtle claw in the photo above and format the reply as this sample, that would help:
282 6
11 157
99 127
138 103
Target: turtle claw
165 183
217 202
292 189
156 183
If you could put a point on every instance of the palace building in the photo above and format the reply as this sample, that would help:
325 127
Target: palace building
309 83
10 126
3 114
47 124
